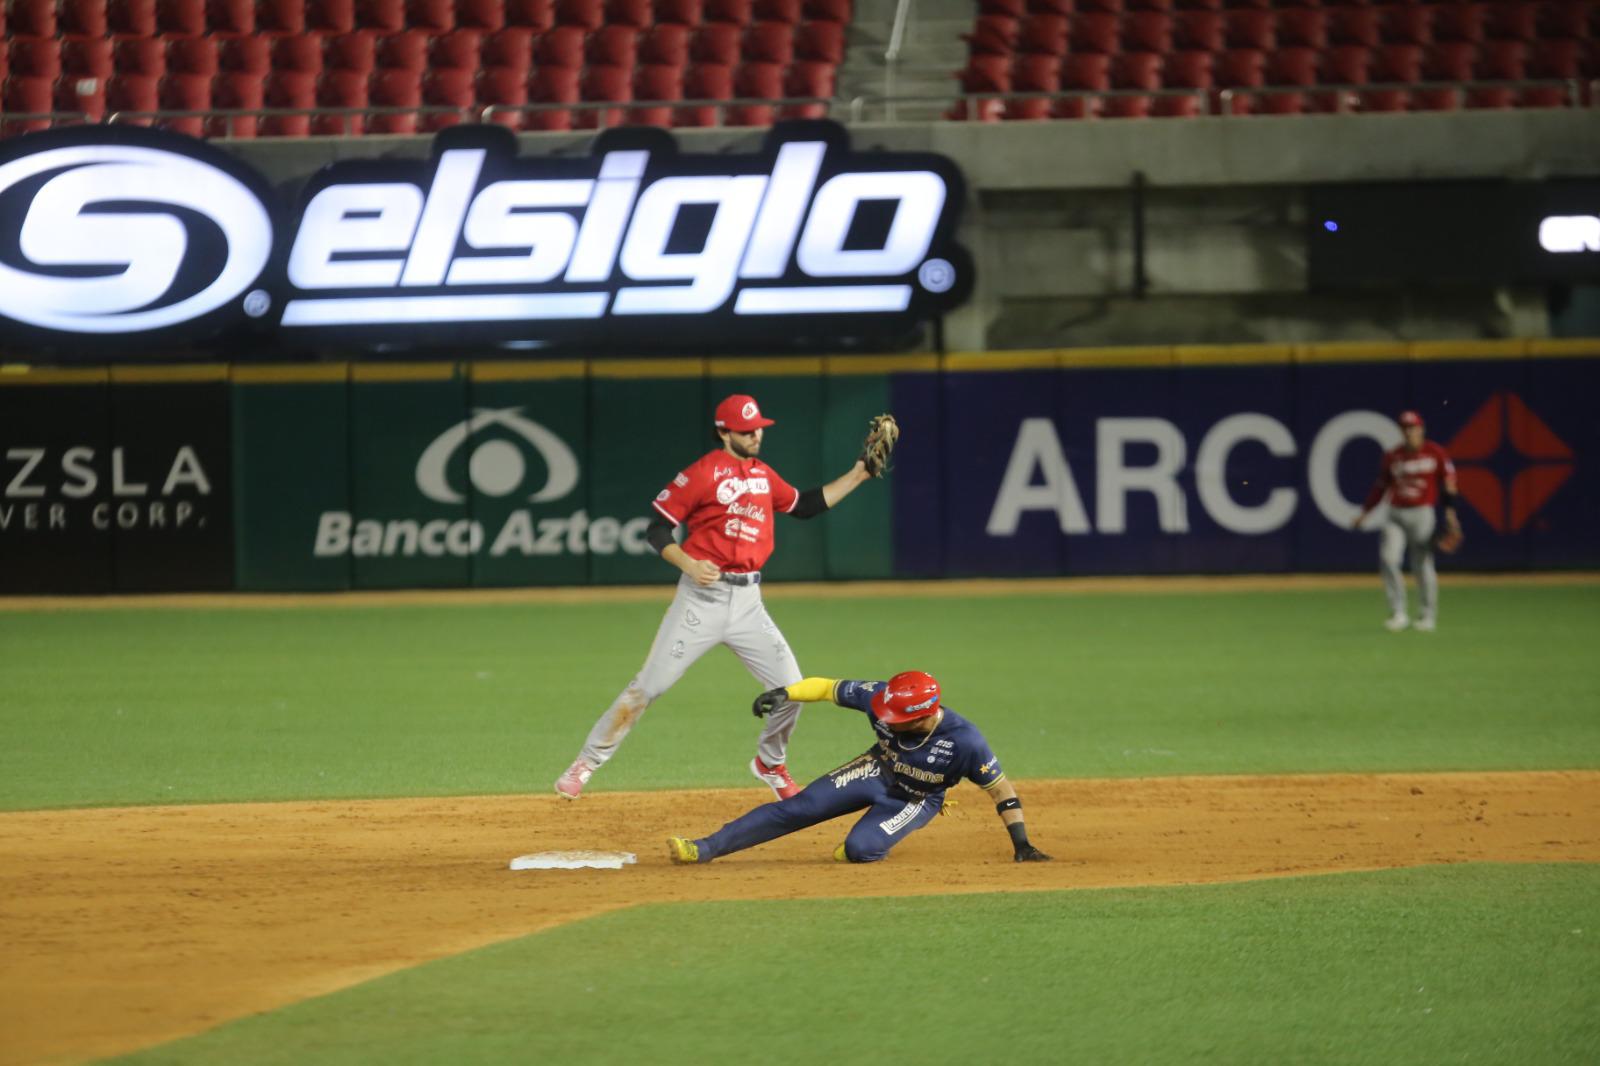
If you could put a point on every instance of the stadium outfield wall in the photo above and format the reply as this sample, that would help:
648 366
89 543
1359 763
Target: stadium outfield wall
1185 459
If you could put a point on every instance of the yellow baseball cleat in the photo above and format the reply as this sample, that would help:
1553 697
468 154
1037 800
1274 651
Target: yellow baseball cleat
838 854
682 851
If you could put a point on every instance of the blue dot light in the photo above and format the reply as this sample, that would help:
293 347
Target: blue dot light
1331 226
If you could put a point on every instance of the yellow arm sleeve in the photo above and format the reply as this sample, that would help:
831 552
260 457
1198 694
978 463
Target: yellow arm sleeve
812 689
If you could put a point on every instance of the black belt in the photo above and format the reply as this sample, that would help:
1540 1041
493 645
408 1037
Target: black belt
742 579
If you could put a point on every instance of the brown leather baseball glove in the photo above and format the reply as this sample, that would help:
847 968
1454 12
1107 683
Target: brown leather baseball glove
883 433
1450 538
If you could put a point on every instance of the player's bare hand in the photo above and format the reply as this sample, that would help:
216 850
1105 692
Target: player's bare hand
703 571
769 701
1029 853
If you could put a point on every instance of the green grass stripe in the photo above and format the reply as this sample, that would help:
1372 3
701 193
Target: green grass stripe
161 706
1446 964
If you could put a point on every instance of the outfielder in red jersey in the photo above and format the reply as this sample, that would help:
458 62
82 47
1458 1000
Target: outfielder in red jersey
728 499
1415 476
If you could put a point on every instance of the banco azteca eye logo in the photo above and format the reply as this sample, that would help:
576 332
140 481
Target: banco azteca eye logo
496 466
1509 462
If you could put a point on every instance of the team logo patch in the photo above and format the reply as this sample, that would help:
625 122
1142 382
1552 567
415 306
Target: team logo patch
663 496
898 822
750 410
681 480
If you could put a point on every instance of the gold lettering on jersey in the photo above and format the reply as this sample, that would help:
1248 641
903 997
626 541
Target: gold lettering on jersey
916 773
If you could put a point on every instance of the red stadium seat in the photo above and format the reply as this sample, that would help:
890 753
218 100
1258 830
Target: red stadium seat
280 16
656 82
665 44
185 92
1553 60
613 46
339 16
1302 28
1250 29
986 74
562 46
820 42
1049 7
734 11
716 42
86 57
1197 31
769 42
245 55
143 57
1405 24
237 91
1147 31
341 88
27 95
1009 8
432 17
231 16
776 11
808 79
192 55
678 12
1287 67
288 89
1559 20
826 10
1502 60
703 81
299 53
1239 5
32 18
1133 70
552 85
1353 26
1342 65
447 87
992 35
357 52
85 97
1163 6
758 81
1245 68
492 15
1457 22
1106 7
601 83
407 50
1094 32
457 50
511 48
36 57
589 14
379 16
1511 21
80 18
1393 64
636 13
1089 72
506 86
134 92
1033 73
181 18
396 87
124 18
1185 70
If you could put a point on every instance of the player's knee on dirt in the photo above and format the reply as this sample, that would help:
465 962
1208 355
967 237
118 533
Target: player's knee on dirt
864 850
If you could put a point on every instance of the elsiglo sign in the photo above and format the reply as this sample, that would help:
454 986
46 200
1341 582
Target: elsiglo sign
127 232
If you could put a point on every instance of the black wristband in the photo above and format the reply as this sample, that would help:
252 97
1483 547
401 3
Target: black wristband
1019 835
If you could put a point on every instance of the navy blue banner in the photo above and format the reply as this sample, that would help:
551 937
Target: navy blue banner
1229 469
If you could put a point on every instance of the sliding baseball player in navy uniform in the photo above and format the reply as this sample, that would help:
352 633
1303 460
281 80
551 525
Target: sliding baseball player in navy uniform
923 749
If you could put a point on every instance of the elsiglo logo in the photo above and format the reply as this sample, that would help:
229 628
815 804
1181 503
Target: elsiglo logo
110 245
496 467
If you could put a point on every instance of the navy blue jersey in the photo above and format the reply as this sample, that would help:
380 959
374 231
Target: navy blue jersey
925 764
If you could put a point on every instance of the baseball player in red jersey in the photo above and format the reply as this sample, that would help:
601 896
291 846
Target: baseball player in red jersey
1414 476
728 499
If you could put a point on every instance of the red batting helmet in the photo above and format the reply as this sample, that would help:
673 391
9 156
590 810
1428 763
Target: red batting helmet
1410 418
906 698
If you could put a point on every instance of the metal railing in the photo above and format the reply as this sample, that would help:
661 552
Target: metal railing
891 54
1346 98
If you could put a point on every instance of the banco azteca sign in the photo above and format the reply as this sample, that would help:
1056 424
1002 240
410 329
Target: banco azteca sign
121 232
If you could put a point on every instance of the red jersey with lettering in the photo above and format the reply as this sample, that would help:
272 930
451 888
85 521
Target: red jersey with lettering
1411 479
729 505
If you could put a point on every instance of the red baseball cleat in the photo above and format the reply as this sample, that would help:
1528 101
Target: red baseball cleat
775 777
570 784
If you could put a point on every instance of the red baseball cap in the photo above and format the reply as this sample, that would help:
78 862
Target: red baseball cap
1410 418
740 413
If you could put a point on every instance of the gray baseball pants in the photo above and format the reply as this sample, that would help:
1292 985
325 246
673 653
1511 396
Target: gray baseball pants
698 620
1409 531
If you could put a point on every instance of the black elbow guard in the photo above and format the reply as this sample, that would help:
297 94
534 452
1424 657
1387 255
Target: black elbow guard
658 534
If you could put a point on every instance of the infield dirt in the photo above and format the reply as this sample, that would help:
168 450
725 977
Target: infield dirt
126 927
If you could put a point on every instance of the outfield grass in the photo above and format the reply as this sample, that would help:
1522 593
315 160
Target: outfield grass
1448 964
169 705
